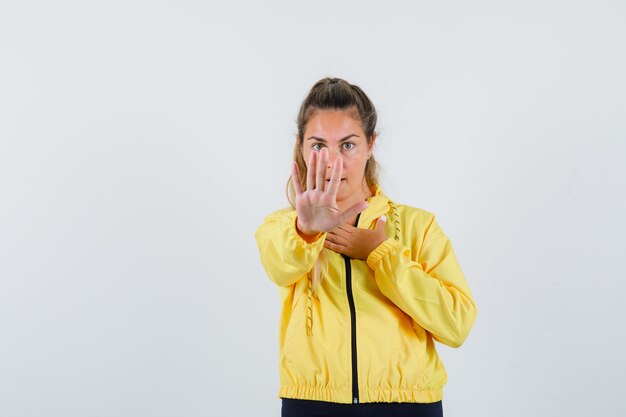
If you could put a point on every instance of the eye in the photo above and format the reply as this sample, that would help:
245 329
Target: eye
315 148
348 145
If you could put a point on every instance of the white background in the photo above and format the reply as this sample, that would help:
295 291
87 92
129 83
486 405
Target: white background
142 143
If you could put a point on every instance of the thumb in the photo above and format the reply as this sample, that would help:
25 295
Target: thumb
357 208
380 223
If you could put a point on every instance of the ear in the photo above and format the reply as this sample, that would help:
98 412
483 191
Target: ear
370 148
371 144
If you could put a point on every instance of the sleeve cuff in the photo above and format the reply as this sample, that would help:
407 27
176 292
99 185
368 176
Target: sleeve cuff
374 258
300 239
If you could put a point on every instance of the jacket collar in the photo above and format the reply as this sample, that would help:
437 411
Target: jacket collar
378 206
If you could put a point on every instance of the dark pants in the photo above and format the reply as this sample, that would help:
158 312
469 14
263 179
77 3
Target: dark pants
309 408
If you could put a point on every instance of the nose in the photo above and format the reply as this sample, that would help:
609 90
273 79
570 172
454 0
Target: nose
332 155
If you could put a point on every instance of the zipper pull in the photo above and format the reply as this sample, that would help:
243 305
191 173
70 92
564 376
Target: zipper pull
355 401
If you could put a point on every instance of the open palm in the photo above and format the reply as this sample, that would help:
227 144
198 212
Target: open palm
317 205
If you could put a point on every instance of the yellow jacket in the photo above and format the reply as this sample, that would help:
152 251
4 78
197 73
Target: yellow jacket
366 333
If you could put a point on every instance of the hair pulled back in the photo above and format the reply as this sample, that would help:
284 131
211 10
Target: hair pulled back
334 94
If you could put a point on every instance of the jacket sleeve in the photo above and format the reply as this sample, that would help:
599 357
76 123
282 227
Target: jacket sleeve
432 289
285 255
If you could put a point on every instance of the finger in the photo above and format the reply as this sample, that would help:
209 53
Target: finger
295 178
357 208
342 232
310 179
321 171
337 239
347 227
335 176
334 247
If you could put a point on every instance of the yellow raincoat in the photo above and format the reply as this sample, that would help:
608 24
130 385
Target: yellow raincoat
367 332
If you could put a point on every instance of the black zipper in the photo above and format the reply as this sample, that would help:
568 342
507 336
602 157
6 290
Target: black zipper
355 379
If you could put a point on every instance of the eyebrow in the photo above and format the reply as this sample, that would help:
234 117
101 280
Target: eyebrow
340 140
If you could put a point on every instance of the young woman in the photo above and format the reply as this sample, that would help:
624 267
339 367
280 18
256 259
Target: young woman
366 285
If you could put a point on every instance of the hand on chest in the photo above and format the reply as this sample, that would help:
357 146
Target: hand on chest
355 242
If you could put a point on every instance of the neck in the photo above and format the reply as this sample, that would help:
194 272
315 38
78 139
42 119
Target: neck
363 194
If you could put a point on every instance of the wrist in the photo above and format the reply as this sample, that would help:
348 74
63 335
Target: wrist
376 244
305 233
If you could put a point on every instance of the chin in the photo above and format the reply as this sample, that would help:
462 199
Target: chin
343 193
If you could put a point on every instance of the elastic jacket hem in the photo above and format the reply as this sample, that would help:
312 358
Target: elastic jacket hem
368 395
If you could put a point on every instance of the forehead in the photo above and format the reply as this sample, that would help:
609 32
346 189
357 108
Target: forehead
333 124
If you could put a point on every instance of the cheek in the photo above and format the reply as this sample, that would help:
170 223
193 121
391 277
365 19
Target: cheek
354 166
305 157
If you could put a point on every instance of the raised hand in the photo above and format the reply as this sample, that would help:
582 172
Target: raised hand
317 205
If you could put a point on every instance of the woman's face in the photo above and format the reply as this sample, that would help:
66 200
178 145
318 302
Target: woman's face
341 133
